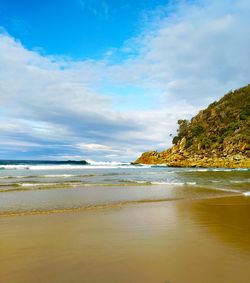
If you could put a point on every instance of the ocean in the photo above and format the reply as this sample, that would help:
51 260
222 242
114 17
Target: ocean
47 186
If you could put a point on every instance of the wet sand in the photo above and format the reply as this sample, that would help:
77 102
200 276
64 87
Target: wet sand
184 241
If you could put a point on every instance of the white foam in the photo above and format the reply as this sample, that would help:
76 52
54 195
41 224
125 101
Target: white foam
114 167
159 182
240 182
56 167
213 169
36 184
106 163
140 182
246 194
58 175
168 183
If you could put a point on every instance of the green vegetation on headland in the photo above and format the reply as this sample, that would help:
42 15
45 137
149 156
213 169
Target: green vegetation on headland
218 136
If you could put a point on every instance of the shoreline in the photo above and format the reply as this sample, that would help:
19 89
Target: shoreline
110 206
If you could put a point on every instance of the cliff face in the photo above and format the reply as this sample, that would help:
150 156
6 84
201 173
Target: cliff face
218 136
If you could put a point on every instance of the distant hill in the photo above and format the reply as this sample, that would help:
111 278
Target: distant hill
218 136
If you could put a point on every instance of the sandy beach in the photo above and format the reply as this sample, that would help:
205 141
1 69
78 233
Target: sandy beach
175 241
124 141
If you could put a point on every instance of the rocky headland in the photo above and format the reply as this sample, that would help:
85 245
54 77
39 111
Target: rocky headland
218 136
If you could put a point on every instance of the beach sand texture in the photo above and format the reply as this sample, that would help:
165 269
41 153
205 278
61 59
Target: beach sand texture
175 241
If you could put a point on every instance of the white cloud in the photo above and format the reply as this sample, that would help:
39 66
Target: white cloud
95 147
190 55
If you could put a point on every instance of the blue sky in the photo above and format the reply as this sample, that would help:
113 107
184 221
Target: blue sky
107 80
80 29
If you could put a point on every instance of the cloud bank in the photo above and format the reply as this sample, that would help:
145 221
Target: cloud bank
186 56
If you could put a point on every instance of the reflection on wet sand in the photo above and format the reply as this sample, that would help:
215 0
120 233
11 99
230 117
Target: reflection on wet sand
177 241
227 219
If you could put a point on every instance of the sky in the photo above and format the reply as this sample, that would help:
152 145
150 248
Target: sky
108 79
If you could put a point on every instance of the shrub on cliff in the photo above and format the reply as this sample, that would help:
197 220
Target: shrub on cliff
223 123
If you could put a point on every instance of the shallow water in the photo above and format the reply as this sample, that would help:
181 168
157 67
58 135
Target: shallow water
31 188
121 223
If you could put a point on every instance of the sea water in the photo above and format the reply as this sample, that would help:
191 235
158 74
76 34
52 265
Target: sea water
37 186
